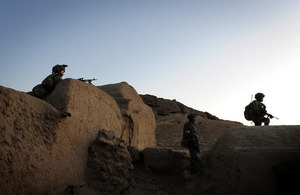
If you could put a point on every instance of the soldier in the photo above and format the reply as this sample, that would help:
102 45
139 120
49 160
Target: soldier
49 82
191 139
259 111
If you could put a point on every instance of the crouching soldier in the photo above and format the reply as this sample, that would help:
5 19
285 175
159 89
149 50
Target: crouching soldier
256 111
190 140
49 83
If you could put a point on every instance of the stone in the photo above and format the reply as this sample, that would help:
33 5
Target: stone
109 168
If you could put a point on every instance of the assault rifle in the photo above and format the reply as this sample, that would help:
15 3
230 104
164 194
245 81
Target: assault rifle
87 80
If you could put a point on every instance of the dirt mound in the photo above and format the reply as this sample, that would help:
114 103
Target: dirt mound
165 107
139 121
41 152
253 160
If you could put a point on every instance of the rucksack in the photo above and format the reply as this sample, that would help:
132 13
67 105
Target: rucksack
248 113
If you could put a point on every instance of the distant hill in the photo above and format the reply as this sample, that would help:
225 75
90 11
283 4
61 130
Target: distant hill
163 107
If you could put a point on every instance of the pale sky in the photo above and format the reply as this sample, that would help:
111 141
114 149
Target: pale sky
210 55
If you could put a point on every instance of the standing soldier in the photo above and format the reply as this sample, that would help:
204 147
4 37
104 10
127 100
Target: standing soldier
258 111
191 139
49 82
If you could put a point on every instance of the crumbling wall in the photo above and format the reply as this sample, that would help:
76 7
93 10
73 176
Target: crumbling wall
28 131
109 168
139 120
41 152
253 160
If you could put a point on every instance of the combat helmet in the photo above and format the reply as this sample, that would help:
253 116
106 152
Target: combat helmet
259 96
57 68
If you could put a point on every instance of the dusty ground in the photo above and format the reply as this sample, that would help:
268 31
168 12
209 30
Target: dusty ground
147 182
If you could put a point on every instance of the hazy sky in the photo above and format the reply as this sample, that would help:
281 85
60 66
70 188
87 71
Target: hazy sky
211 55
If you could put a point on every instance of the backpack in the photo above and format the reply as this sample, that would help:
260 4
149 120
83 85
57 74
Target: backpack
248 113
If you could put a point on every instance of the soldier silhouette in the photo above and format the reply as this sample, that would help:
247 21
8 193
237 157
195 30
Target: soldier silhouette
49 83
256 111
190 140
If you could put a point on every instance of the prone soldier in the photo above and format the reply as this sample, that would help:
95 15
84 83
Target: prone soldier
49 83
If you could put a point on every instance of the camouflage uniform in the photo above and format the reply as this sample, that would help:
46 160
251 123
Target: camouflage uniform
47 85
49 82
259 112
191 138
